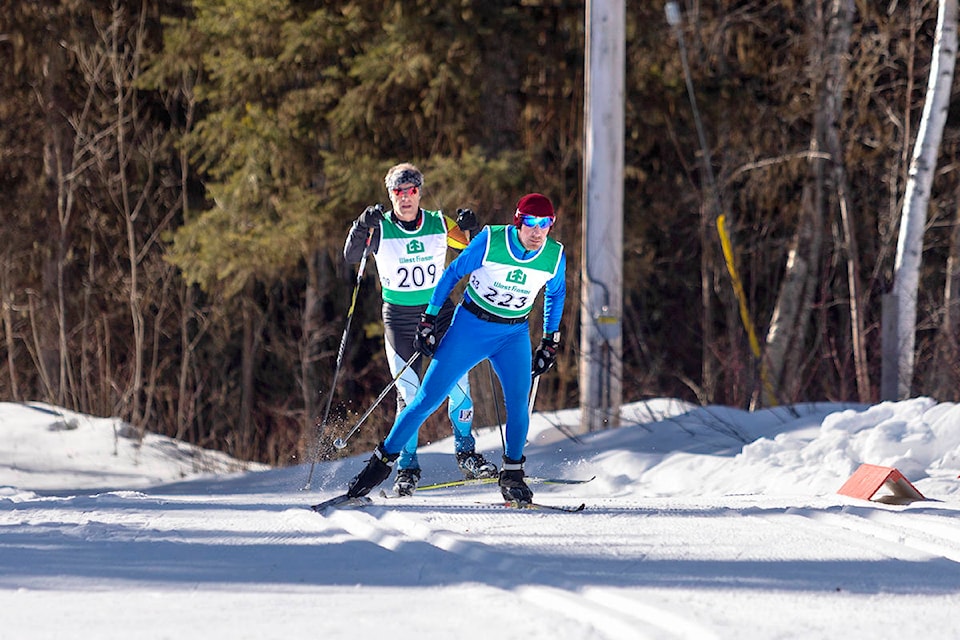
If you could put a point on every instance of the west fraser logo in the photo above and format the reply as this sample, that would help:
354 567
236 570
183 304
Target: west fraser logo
517 276
415 246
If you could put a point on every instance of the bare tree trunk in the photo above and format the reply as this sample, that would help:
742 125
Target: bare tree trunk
184 413
252 328
945 381
48 327
184 95
107 383
248 353
708 382
839 27
791 315
124 51
857 330
6 302
309 352
165 286
906 282
190 337
113 137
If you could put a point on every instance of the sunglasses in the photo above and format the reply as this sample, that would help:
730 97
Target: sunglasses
533 221
405 191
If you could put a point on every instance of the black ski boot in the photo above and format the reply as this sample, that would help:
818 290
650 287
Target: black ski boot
512 486
474 465
406 482
377 470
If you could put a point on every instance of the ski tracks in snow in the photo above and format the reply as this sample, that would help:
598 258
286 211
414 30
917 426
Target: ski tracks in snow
617 615
897 531
587 569
610 612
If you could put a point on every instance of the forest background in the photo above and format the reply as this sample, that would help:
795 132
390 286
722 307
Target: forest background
178 178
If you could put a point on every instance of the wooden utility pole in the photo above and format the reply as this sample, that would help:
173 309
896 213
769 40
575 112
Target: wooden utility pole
601 293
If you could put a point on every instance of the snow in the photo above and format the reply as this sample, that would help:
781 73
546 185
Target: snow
701 522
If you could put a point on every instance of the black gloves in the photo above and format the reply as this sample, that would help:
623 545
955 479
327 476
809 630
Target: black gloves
467 220
546 354
425 339
370 217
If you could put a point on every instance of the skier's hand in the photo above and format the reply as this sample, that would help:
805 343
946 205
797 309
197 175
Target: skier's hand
425 339
467 220
370 217
545 355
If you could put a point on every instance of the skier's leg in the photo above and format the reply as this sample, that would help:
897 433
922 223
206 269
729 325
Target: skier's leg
460 404
512 365
512 362
461 348
398 342
460 410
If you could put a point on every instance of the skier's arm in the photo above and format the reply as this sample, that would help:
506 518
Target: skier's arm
554 295
458 229
357 242
359 232
456 238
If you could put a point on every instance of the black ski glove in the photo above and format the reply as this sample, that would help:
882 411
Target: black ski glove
425 339
467 220
370 217
546 354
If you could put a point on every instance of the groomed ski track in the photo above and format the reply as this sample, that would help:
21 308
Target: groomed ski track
622 569
668 568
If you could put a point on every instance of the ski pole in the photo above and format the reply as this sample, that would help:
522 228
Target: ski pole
321 426
533 393
341 443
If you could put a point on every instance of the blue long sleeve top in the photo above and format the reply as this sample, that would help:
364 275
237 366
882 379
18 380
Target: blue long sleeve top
471 259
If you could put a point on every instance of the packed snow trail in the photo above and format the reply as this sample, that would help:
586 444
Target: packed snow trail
689 533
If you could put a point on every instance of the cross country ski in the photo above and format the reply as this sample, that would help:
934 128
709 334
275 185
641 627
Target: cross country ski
342 500
345 501
520 504
466 482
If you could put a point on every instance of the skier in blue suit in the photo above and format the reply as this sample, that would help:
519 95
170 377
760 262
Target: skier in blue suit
508 266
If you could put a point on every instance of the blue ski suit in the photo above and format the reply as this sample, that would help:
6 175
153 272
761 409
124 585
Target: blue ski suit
490 324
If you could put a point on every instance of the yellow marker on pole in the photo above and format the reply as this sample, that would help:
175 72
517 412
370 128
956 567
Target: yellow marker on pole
770 396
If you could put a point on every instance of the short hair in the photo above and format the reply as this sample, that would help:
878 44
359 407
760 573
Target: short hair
403 173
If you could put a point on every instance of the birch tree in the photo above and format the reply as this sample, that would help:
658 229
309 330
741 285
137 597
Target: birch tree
923 164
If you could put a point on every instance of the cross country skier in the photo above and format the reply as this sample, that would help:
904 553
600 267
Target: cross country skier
507 268
409 245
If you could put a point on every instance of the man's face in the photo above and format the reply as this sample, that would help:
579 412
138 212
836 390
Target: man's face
406 200
534 231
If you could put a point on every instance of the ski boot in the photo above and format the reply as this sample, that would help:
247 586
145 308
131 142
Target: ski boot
512 486
406 483
473 465
377 470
